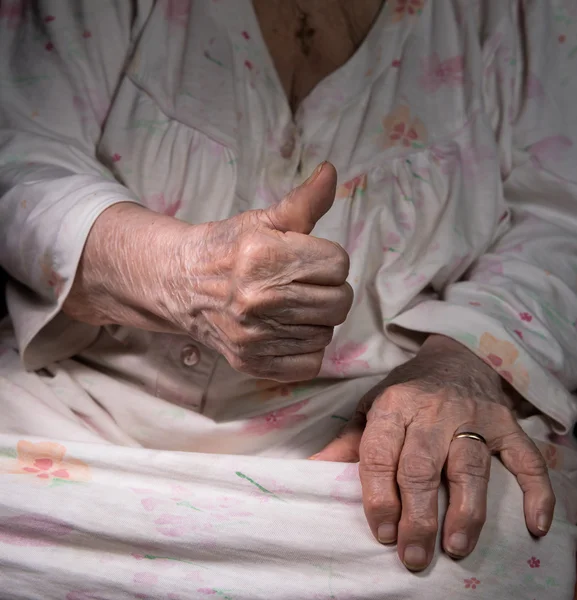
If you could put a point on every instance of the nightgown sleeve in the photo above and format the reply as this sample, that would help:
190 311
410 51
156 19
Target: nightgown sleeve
516 308
60 64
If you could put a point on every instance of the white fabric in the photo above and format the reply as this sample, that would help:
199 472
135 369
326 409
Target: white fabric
454 141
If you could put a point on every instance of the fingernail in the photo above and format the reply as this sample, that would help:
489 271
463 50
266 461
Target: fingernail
314 456
315 174
458 544
387 533
415 558
543 523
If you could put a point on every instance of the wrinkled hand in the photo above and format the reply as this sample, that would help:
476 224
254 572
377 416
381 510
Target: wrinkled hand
402 437
256 287
272 293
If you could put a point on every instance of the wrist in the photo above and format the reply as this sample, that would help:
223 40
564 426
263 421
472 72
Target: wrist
501 390
125 247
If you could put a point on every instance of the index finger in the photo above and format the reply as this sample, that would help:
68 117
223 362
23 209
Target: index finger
522 458
319 261
379 454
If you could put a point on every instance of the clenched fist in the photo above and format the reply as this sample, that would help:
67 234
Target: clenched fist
257 287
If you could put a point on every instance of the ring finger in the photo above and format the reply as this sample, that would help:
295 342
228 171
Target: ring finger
468 467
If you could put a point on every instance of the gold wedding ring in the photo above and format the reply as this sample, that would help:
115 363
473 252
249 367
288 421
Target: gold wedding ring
470 435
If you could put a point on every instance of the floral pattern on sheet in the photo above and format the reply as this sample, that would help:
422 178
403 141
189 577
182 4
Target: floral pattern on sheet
47 462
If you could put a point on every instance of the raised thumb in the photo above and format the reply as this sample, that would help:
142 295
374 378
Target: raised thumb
300 210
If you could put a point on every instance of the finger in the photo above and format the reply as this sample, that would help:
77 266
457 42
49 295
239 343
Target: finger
271 258
301 367
520 455
380 449
420 466
306 204
320 261
287 346
345 447
250 342
306 304
468 468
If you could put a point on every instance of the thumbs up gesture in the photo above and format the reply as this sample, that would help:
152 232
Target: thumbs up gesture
270 292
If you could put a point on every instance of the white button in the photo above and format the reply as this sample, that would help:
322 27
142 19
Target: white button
190 356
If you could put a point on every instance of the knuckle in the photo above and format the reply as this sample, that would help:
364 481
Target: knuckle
533 463
341 261
379 504
418 471
239 364
375 460
424 526
466 465
503 413
251 250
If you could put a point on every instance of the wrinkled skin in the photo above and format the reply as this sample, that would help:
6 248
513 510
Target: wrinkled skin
402 437
256 287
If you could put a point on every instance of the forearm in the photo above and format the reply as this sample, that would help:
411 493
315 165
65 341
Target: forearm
126 267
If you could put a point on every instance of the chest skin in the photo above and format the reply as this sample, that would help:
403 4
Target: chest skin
309 39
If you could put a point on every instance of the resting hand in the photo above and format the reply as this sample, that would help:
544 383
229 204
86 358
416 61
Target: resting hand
402 436
256 287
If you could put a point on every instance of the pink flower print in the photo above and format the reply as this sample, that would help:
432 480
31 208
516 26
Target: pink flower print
49 19
13 12
149 504
145 578
48 461
503 356
392 239
490 268
350 473
404 221
402 129
551 148
345 359
160 204
172 525
414 280
534 563
533 87
351 188
519 333
474 303
406 8
176 12
354 236
472 583
396 63
525 316
550 454
86 34
436 73
32 530
283 418
245 35
49 46
248 64
116 157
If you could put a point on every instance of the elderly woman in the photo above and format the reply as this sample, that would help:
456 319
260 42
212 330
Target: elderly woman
192 312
